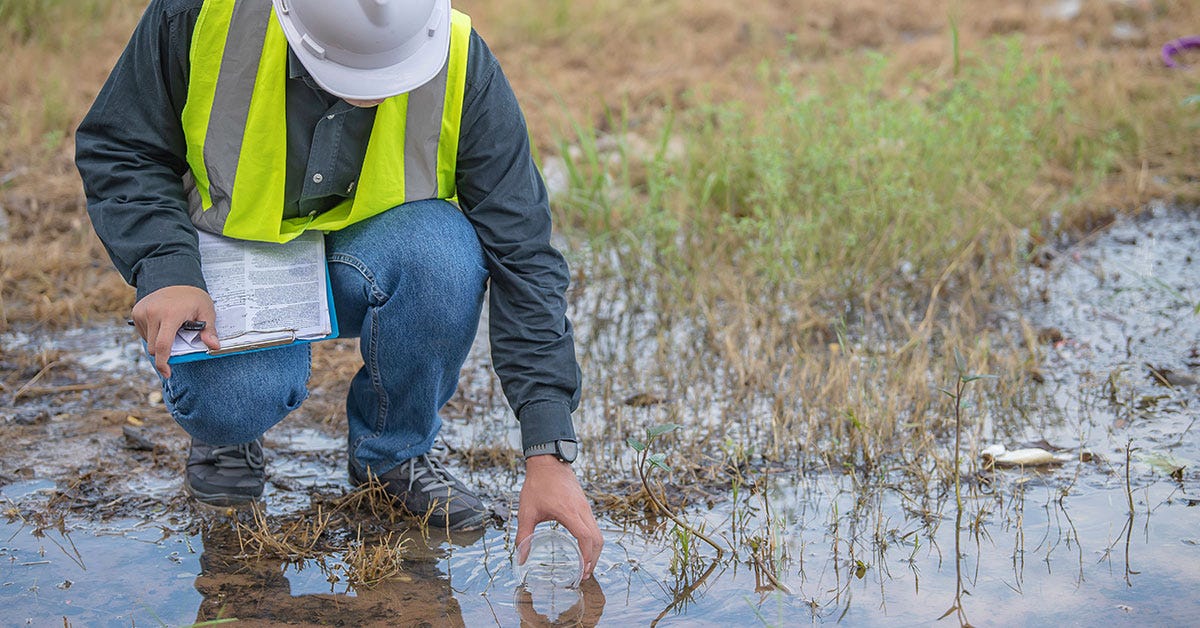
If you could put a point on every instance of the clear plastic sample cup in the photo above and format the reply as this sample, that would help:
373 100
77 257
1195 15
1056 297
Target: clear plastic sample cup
548 558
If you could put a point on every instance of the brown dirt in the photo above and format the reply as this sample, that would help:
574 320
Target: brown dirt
597 62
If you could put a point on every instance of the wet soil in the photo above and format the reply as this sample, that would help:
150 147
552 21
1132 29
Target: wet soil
97 530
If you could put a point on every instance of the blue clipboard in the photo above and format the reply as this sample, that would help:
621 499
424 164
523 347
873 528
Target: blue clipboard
267 346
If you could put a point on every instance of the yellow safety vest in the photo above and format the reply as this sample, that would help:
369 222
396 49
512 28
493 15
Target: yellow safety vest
235 123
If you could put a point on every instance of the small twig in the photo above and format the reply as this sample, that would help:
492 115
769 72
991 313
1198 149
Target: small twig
33 380
1128 484
51 390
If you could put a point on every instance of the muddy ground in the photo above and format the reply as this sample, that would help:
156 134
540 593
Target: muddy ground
97 529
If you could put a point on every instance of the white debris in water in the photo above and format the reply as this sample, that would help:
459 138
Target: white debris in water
1000 456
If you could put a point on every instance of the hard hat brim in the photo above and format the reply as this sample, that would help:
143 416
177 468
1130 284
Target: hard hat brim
375 83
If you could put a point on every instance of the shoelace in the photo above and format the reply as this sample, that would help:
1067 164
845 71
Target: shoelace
440 478
241 456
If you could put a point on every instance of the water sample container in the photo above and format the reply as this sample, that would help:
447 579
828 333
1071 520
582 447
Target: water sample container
548 558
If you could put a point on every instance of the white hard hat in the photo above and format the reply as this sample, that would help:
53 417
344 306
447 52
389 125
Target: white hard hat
368 49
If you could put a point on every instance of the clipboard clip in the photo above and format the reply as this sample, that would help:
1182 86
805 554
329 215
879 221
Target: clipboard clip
275 342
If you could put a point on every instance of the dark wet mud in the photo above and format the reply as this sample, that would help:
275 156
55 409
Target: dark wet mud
96 530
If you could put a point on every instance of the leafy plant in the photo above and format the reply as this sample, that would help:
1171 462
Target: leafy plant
645 463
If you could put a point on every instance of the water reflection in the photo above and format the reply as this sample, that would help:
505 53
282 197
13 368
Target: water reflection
247 589
234 586
561 607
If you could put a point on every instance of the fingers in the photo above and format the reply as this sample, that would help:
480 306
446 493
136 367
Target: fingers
582 525
160 345
526 522
209 334
207 313
159 315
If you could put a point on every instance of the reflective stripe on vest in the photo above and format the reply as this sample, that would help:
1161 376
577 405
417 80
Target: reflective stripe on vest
235 123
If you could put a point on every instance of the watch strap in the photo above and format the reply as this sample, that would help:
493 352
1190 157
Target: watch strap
542 449
563 449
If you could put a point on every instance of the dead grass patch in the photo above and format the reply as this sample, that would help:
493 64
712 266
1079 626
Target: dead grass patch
373 555
371 563
291 541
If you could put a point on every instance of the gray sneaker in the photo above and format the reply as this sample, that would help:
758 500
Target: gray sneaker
228 475
427 491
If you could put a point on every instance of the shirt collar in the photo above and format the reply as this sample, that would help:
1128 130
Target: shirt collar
296 69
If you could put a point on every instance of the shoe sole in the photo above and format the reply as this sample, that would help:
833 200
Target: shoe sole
221 500
473 524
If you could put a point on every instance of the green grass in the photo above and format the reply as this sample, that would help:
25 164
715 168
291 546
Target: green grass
835 186
823 253
29 19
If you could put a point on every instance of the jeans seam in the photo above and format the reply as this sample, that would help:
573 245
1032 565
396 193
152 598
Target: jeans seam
372 361
376 381
357 264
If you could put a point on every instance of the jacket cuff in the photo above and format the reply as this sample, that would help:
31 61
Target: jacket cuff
153 273
545 422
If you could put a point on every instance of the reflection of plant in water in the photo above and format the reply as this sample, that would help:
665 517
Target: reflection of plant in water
294 541
368 558
960 387
1127 528
766 549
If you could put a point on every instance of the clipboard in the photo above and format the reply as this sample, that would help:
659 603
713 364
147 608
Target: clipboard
233 261
270 344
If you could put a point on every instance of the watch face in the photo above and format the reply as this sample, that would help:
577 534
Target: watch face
568 450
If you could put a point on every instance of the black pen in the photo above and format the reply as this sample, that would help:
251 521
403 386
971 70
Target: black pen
186 326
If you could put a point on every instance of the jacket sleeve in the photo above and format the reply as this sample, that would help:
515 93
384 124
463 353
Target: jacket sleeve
131 154
503 196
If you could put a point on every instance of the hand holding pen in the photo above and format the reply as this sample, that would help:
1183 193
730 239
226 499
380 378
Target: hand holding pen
160 315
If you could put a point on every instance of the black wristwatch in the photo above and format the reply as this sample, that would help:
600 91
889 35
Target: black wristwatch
565 450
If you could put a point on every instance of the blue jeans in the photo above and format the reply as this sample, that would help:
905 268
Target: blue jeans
409 283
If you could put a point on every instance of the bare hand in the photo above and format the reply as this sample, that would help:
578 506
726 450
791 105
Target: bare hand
159 315
552 493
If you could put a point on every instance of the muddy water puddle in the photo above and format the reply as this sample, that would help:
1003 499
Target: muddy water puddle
96 531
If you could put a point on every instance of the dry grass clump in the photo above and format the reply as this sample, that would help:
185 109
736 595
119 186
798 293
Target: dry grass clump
367 558
369 564
293 541
370 499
